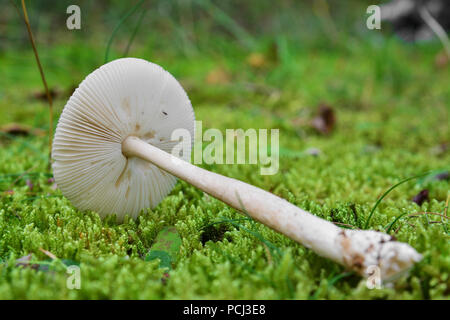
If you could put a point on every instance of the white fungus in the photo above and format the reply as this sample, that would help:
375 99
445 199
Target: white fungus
126 97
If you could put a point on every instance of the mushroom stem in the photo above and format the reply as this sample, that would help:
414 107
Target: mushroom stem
364 251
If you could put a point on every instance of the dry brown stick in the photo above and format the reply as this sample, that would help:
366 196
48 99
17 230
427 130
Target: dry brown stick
48 254
446 206
428 213
20 177
41 71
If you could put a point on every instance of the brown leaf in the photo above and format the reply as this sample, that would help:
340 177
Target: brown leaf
325 121
17 129
42 95
421 197
218 76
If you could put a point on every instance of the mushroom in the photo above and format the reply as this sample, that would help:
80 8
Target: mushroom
112 154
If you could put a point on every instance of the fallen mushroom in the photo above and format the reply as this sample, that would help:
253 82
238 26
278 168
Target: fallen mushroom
112 154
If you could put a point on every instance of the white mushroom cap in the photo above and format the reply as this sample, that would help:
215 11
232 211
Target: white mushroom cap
125 97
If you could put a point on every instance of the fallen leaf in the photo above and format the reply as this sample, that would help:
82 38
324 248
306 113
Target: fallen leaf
421 197
17 129
325 120
42 95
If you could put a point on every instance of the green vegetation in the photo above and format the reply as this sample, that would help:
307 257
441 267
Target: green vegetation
392 122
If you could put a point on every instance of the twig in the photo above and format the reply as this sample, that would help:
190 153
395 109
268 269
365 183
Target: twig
48 254
41 71
135 31
428 213
446 206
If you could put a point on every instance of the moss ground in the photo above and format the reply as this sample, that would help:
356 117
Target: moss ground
392 110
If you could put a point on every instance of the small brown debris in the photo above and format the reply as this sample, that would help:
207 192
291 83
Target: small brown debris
441 60
325 121
42 95
256 60
25 262
218 76
421 197
17 129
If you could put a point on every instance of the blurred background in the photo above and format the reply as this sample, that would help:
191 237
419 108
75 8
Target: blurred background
255 46
301 66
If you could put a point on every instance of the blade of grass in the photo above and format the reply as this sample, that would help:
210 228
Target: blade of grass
44 81
388 191
117 27
133 34
436 28
226 21
389 228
